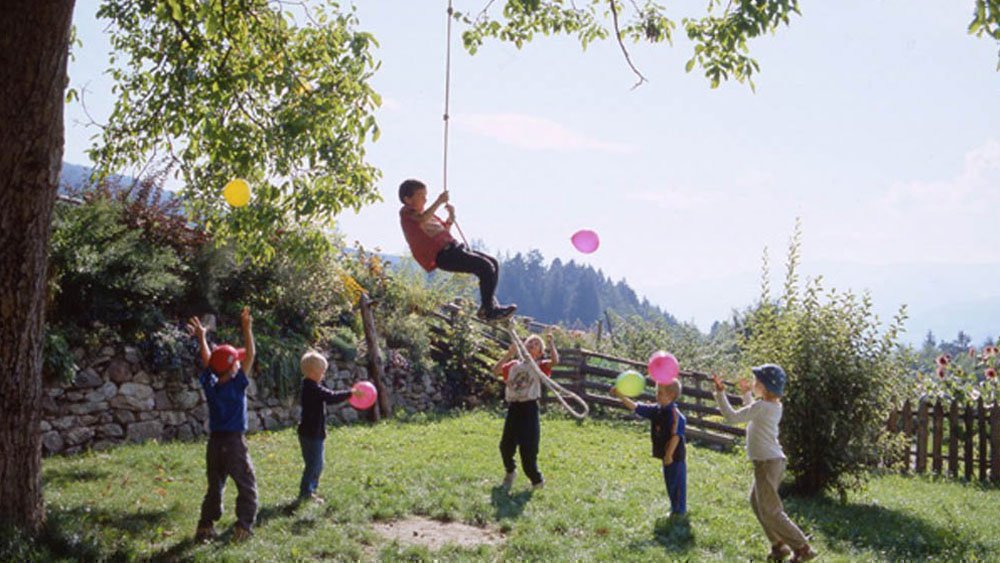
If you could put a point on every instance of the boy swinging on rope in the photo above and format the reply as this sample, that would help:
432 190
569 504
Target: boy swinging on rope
433 246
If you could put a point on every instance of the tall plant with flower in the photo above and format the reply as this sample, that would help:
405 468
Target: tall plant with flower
972 378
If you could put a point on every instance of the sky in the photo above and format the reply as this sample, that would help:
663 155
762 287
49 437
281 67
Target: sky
875 123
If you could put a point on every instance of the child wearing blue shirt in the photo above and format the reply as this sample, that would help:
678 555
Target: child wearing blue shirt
224 381
667 434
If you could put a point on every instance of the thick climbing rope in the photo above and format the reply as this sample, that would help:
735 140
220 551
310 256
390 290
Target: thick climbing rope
447 103
560 392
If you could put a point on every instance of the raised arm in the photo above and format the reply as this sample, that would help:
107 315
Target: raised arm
198 331
498 367
251 350
745 414
428 213
553 352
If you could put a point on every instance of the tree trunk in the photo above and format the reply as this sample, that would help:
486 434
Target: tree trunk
34 41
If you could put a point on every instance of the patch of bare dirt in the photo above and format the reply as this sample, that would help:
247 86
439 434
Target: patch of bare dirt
434 535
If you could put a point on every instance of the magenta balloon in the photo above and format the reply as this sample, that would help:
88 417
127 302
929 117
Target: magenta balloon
367 397
586 241
663 367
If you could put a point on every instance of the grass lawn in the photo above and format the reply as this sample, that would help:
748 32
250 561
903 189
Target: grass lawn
604 500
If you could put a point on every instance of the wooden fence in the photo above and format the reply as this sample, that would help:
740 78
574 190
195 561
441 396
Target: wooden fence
590 375
966 437
954 439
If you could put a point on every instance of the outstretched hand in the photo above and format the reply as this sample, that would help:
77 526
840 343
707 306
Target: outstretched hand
615 392
744 386
719 385
195 328
246 321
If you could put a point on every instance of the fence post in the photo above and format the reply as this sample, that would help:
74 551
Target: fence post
907 436
938 437
995 443
953 439
984 440
970 431
922 438
375 368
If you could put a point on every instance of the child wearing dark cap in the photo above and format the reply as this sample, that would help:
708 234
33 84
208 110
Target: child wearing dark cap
764 450
224 381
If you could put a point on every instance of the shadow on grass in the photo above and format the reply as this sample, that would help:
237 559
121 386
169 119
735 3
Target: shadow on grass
672 533
506 505
894 533
61 477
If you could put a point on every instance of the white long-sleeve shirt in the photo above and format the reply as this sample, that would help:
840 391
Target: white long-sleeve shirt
762 418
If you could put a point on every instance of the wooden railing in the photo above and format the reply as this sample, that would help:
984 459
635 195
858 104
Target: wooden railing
965 436
591 374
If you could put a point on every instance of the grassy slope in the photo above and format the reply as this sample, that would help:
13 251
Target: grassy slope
604 500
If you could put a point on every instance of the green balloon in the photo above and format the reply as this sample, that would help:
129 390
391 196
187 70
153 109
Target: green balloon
630 383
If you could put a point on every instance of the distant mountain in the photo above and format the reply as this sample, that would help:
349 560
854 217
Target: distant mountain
74 177
568 293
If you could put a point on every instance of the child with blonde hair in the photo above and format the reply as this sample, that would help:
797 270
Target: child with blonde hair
522 427
312 426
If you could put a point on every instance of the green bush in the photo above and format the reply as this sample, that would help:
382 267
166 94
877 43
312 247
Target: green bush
59 363
105 271
843 378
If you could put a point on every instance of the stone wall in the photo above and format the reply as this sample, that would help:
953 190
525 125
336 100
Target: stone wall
115 398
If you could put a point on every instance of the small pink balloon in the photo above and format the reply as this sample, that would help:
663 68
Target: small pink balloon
586 241
663 367
366 398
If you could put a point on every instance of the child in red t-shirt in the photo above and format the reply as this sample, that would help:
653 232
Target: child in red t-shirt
433 246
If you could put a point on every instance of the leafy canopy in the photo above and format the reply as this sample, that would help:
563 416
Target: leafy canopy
277 93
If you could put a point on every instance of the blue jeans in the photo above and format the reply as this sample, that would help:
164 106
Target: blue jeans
312 455
675 477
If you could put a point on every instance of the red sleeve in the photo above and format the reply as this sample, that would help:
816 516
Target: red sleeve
546 367
506 368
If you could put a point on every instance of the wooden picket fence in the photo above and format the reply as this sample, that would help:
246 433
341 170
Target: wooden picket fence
964 436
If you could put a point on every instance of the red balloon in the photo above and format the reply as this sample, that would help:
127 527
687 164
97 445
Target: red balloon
366 398
663 367
585 241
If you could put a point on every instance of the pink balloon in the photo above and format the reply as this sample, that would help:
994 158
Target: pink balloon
586 241
367 395
663 367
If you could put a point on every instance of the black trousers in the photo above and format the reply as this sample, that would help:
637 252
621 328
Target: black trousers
459 258
227 456
522 430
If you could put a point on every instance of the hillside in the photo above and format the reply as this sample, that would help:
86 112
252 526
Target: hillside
569 293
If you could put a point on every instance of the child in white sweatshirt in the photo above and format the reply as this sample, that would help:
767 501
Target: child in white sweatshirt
764 450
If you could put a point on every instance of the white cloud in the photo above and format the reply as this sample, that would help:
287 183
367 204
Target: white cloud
534 133
952 220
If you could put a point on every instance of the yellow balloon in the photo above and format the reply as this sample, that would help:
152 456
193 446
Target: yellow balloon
237 192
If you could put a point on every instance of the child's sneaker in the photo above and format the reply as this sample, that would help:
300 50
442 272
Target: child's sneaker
804 553
314 498
538 485
482 313
241 534
205 534
508 480
779 552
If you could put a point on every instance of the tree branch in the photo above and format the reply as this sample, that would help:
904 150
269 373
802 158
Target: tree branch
618 36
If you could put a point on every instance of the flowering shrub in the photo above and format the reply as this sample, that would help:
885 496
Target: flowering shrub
951 380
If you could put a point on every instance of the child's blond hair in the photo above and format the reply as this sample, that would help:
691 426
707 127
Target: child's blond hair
535 338
674 386
312 362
